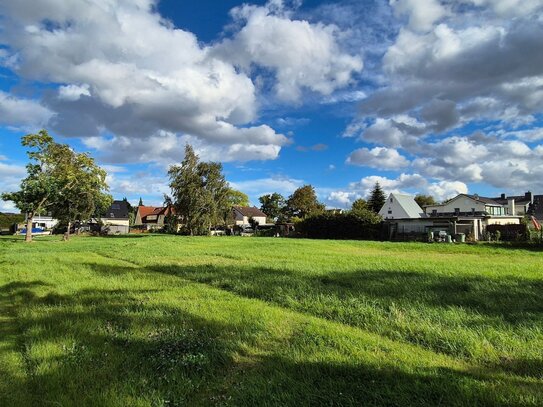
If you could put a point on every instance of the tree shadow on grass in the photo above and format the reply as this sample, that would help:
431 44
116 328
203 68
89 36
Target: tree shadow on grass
115 347
281 382
106 347
516 300
400 305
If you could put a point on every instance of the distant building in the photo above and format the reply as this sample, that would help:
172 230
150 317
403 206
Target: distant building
242 214
117 218
522 205
40 225
400 206
152 217
43 222
467 214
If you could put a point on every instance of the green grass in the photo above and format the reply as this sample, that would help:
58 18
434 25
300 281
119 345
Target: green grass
167 320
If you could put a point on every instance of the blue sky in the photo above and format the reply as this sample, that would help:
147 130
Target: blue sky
425 96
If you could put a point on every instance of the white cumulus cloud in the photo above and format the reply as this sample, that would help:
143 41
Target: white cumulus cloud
24 113
378 157
302 55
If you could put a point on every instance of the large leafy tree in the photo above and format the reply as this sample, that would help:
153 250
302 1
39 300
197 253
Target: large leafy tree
273 205
234 198
377 198
199 192
171 220
303 202
215 192
237 198
83 191
361 210
60 181
186 190
425 200
359 205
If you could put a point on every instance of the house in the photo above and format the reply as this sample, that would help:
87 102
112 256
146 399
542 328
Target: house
400 206
463 214
40 225
516 205
242 214
43 222
523 205
472 205
152 217
117 218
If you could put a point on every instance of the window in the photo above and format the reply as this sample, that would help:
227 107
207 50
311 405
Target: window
391 200
434 212
456 211
389 211
115 206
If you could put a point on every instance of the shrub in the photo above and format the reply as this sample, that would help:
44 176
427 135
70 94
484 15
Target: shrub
8 220
507 232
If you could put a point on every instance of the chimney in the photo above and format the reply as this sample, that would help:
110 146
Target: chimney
502 196
529 196
511 206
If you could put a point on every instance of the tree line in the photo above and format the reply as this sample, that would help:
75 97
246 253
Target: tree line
71 187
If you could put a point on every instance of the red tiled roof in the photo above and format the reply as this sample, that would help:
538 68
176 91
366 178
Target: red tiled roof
145 211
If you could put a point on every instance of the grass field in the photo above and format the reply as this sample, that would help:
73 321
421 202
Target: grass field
166 320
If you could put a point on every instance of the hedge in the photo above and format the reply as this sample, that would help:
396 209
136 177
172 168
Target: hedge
340 226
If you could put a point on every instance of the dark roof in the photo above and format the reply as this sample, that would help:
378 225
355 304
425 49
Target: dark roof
249 211
118 210
483 199
519 199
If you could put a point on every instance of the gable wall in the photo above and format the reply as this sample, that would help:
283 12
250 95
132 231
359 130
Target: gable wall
397 211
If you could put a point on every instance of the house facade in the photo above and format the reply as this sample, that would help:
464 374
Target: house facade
464 214
40 225
242 214
117 218
43 222
528 204
152 217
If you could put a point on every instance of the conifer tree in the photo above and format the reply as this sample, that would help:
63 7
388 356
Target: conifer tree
377 198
